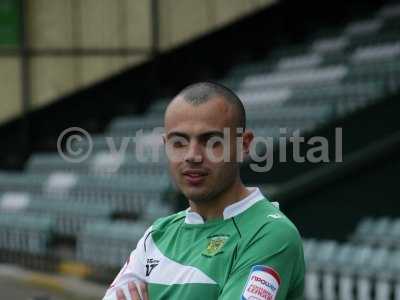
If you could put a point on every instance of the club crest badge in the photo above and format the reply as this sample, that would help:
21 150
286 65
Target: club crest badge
215 245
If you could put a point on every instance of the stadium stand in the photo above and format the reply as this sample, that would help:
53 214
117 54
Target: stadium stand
69 217
25 233
124 194
298 88
351 271
382 232
121 236
367 266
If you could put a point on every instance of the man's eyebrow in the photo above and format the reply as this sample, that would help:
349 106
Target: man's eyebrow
202 135
177 133
212 133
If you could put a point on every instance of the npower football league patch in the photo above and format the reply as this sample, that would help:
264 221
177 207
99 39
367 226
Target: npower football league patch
262 284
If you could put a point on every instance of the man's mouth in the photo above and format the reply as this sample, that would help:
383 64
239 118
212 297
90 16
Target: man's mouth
194 177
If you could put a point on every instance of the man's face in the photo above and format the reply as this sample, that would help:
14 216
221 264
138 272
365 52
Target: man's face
200 163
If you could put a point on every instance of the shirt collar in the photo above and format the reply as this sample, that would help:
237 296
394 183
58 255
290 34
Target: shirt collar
231 210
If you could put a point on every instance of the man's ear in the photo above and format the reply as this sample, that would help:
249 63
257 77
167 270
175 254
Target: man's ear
245 143
248 137
164 138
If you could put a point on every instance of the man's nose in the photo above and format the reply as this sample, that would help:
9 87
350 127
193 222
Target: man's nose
194 153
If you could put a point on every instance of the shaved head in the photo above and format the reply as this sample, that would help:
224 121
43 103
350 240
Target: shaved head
201 92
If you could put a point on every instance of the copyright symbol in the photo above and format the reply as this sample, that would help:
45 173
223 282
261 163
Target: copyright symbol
74 139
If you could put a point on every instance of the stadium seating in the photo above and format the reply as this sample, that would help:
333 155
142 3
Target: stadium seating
101 163
121 238
384 232
351 271
123 194
69 216
24 233
365 267
296 87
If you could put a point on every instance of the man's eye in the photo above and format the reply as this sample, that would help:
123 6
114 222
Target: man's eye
177 144
215 144
212 142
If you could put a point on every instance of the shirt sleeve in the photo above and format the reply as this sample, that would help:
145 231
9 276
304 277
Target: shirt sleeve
133 270
270 267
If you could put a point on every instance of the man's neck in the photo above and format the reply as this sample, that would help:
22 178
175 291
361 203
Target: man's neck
214 208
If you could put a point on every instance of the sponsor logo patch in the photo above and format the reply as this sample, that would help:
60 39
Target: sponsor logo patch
262 284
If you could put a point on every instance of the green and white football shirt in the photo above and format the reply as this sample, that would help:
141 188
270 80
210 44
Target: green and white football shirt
253 252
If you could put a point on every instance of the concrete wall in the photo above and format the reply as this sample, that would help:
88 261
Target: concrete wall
182 20
83 24
10 90
103 24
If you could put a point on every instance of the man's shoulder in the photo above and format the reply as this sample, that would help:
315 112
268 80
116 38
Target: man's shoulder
265 221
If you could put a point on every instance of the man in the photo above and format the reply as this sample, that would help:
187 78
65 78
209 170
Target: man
232 242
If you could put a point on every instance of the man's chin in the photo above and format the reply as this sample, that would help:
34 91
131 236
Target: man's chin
199 195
